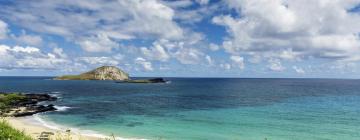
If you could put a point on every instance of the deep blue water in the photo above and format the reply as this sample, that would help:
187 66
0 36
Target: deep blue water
205 108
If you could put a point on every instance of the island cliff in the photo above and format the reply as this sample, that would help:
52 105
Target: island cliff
101 73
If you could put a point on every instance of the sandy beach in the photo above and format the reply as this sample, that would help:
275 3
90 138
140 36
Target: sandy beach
34 130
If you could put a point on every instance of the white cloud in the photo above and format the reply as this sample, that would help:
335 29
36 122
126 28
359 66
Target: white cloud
203 2
186 14
209 60
146 65
238 61
3 30
178 3
98 61
188 56
19 57
156 52
225 66
98 43
275 65
27 50
33 40
214 47
299 70
94 21
183 51
59 52
305 27
255 58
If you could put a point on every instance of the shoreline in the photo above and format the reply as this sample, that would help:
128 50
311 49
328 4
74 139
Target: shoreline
34 125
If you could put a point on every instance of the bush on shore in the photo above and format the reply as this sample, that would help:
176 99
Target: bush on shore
9 133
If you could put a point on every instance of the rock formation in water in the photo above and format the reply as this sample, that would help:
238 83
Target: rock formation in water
153 80
101 73
18 105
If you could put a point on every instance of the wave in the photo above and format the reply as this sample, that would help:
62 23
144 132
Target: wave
62 108
57 127
55 94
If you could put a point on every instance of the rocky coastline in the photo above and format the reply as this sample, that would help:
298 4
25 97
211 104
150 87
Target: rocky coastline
20 104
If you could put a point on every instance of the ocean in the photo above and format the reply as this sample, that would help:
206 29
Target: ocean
203 108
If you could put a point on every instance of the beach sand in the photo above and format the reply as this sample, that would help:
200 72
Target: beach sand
34 130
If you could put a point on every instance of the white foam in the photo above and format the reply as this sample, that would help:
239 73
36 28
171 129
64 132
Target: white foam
61 108
90 133
55 94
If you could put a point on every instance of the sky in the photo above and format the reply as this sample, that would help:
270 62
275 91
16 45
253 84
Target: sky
185 38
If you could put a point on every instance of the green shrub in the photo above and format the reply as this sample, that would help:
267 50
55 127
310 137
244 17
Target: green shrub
8 99
9 133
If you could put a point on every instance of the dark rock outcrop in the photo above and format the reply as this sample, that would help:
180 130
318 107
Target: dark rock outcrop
34 110
153 80
19 105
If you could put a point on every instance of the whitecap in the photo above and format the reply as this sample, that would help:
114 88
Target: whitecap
61 108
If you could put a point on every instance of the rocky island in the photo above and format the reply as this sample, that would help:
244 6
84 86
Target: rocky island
101 73
109 73
18 104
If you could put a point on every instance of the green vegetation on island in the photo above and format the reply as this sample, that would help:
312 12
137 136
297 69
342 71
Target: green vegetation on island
9 133
101 73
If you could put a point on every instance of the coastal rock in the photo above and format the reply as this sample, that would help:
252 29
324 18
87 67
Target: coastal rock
34 110
101 73
154 80
18 105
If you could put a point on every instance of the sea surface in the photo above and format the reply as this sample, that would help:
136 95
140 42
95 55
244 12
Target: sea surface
204 108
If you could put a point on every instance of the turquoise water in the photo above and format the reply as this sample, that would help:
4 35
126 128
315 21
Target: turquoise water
206 109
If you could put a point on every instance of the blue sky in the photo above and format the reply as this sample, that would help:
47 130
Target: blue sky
187 38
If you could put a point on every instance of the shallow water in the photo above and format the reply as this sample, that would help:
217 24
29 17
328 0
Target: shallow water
203 109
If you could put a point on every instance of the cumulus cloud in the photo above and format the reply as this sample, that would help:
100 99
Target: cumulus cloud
225 66
146 65
209 60
98 43
203 2
299 70
189 56
59 52
238 61
82 20
19 57
98 61
275 65
322 29
3 30
214 47
156 52
24 38
183 51
188 13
